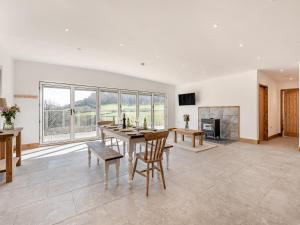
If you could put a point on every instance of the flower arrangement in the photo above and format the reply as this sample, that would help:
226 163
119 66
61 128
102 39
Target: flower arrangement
186 118
9 113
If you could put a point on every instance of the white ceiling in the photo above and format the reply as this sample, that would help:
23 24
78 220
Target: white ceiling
175 39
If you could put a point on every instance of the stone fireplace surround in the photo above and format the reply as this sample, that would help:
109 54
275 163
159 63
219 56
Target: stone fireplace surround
229 118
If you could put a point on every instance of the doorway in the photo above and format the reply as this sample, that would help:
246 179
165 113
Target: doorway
290 112
263 113
68 113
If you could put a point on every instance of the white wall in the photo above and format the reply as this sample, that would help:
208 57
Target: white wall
29 74
273 102
234 90
7 76
288 84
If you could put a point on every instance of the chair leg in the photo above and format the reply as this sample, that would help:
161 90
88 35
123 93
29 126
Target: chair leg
147 184
134 167
106 168
162 174
118 145
152 170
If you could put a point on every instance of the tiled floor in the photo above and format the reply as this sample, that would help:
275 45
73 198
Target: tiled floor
233 184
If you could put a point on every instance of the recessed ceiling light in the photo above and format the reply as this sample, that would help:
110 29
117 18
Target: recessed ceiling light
142 64
67 29
291 78
281 70
157 57
241 45
216 26
258 57
79 49
121 44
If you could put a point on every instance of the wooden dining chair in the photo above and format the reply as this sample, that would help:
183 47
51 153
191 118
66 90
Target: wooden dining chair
154 149
102 123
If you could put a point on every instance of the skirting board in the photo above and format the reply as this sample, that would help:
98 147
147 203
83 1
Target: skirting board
275 136
249 141
30 146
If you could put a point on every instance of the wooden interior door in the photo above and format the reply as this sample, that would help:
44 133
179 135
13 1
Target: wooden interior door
291 113
263 113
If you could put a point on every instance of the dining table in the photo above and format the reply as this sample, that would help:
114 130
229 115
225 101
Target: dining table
130 137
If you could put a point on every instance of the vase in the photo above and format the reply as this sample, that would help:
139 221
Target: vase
8 124
186 124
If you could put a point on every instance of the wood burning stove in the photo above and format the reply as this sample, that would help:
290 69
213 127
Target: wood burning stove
211 128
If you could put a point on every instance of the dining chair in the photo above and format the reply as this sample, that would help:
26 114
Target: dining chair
154 149
103 123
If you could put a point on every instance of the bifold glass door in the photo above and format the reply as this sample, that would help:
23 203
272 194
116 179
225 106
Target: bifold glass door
85 113
56 115
68 113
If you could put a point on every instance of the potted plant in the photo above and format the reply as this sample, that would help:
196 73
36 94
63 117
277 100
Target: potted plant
186 118
9 113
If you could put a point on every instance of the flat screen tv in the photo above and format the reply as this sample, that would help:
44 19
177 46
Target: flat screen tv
187 99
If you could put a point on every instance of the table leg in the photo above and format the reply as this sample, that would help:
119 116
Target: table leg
201 139
130 147
182 137
175 137
9 155
18 148
194 144
118 170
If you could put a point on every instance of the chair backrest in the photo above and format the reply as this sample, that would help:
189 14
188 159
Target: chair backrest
155 143
101 123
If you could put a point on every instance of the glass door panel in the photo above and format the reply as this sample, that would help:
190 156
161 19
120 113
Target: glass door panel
145 106
128 106
109 105
56 114
159 111
85 113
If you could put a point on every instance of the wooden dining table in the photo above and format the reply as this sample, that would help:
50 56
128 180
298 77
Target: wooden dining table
130 136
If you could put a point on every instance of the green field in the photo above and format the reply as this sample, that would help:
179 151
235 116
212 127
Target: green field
109 110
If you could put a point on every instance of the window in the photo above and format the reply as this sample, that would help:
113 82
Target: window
159 111
109 105
128 106
145 109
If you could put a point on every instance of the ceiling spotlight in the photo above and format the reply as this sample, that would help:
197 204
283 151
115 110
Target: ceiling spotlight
121 44
79 49
67 30
157 57
215 26
142 64
291 78
258 58
241 45
281 70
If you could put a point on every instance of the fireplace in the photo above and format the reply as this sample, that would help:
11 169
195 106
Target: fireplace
211 128
228 116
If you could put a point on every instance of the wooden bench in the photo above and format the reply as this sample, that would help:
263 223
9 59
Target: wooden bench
106 154
167 152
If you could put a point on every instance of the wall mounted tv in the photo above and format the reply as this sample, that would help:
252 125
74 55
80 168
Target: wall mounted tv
187 99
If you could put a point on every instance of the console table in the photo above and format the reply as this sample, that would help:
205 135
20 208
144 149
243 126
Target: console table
188 132
6 165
